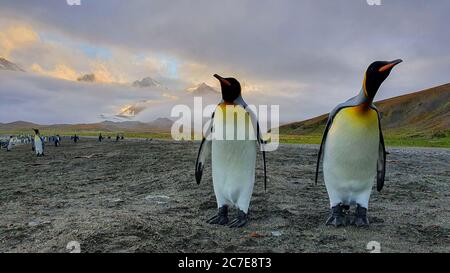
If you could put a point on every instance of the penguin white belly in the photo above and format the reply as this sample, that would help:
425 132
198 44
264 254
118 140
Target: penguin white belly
10 145
233 162
38 145
350 156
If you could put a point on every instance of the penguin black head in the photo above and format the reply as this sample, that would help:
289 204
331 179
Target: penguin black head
36 131
375 75
231 88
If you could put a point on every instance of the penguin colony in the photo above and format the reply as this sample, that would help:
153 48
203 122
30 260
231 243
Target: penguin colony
352 151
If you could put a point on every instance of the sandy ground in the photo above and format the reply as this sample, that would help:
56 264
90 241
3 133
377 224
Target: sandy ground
141 196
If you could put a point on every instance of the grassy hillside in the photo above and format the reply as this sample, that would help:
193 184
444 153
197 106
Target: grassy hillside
417 119
160 128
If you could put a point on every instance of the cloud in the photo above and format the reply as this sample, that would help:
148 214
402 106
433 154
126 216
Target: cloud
306 56
63 57
15 37
60 71
47 100
102 74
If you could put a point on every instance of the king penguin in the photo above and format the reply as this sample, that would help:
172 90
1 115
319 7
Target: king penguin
233 159
353 150
10 144
38 143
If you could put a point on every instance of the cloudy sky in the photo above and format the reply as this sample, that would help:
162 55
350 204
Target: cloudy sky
304 55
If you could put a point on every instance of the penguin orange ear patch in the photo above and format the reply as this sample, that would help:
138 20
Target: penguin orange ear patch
225 82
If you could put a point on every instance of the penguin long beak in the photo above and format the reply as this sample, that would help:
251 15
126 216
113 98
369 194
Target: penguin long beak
222 79
390 65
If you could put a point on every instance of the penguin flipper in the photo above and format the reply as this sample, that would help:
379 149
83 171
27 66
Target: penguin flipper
205 148
261 143
322 144
381 163
265 171
203 151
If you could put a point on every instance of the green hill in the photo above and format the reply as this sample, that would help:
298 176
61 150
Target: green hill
416 119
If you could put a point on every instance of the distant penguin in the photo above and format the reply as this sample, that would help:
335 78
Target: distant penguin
100 137
353 150
38 143
57 140
233 161
10 144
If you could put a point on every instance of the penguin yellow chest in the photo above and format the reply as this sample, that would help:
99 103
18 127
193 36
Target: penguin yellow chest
232 122
351 148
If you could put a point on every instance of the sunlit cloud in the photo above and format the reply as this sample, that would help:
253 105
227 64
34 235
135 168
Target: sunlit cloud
60 71
16 37
103 75
53 55
169 96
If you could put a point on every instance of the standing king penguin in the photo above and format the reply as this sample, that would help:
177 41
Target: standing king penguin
233 160
353 150
38 143
10 144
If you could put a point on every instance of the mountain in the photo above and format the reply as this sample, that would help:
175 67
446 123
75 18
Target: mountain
146 82
164 124
202 90
7 65
87 78
17 125
159 125
420 114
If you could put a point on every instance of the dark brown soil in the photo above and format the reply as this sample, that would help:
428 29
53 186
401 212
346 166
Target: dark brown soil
141 196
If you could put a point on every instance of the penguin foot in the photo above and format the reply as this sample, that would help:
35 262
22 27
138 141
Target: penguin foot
337 217
360 219
221 218
240 221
